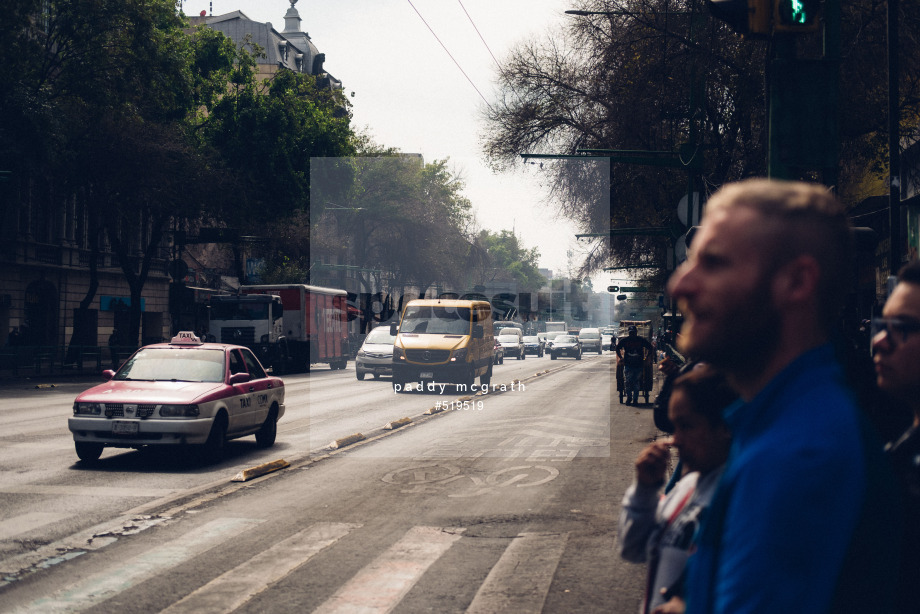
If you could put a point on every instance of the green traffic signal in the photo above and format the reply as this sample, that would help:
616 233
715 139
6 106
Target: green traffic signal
796 15
796 11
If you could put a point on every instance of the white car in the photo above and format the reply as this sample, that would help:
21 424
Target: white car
512 345
591 340
184 392
376 354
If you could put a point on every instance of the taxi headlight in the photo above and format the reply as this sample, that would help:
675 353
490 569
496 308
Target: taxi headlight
459 355
398 353
87 409
361 352
179 411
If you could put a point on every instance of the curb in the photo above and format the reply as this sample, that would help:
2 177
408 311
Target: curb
259 470
395 424
346 441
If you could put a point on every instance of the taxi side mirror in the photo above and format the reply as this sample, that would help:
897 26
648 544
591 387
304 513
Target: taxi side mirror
239 378
394 328
108 374
478 332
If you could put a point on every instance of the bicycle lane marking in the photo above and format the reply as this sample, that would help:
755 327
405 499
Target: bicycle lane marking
436 478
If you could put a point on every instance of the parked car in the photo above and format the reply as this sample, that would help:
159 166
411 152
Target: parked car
566 345
591 340
376 354
533 345
498 354
184 392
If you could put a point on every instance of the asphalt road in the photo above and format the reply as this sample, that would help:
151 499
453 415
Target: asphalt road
510 505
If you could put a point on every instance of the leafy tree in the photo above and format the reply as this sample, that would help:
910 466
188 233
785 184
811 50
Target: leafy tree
267 133
115 106
97 99
403 223
508 260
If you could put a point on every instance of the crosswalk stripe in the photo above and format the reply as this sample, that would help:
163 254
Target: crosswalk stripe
380 586
234 588
111 581
520 580
11 527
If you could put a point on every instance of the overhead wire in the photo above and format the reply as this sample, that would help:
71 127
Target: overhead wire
497 63
433 33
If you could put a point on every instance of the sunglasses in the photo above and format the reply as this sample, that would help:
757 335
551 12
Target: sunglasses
899 331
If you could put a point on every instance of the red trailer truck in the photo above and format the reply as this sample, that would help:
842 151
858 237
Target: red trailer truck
289 326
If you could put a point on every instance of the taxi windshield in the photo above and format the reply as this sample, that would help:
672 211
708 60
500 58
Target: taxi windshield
174 364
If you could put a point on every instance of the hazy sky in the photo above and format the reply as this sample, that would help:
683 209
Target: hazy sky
411 95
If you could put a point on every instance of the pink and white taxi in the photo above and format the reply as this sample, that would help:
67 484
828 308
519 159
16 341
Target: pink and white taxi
176 393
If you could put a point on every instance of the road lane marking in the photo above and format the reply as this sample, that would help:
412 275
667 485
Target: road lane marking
520 580
11 527
231 590
381 585
86 491
110 581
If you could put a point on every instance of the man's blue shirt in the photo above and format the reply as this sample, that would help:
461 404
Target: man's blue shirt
784 526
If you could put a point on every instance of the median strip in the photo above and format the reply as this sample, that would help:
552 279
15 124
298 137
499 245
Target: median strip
259 470
346 441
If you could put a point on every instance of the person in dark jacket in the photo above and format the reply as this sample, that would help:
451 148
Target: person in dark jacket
633 350
896 354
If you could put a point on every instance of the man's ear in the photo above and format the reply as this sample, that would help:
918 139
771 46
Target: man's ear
796 281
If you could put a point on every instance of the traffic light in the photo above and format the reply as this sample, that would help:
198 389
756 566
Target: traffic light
749 17
765 17
613 288
796 15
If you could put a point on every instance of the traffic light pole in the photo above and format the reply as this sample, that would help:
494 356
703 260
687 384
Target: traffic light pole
803 108
894 144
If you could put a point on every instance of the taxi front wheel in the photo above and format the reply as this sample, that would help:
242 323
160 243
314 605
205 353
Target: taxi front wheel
265 436
88 451
213 448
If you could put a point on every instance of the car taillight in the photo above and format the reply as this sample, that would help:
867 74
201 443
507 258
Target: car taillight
179 411
87 409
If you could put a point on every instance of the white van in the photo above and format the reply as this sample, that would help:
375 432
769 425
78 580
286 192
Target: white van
443 340
591 340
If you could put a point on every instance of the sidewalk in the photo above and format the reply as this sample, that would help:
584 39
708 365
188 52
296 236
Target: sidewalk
42 363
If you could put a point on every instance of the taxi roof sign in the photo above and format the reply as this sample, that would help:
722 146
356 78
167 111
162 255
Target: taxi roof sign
185 337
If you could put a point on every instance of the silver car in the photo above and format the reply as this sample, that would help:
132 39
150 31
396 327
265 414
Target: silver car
376 354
